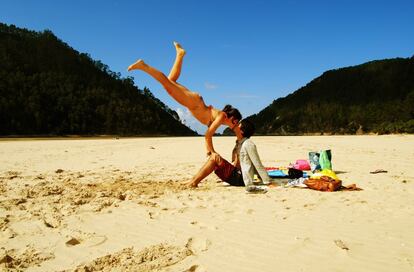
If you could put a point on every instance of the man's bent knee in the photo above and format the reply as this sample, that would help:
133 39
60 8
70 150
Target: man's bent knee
216 158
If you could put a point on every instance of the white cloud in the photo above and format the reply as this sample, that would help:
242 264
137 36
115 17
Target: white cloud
183 114
210 86
188 119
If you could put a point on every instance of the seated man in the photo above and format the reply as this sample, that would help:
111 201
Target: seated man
249 159
246 163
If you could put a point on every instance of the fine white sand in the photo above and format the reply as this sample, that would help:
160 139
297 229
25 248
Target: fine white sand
119 205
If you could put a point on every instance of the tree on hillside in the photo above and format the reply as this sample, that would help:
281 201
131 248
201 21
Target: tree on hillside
47 87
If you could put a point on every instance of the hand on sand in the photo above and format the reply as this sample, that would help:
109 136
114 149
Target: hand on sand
191 184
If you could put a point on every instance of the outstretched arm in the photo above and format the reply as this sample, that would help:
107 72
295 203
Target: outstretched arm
211 130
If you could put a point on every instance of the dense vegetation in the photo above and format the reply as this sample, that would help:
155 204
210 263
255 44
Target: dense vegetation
48 88
375 97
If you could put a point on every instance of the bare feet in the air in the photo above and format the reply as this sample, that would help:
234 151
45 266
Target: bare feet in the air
180 50
137 65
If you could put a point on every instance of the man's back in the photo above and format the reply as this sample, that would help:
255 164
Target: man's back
250 163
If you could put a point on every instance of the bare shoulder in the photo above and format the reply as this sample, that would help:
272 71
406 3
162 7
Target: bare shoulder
221 114
218 114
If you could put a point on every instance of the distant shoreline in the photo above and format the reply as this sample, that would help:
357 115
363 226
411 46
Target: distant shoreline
116 137
81 137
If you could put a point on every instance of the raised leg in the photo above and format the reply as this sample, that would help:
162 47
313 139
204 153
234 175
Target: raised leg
213 161
176 69
182 95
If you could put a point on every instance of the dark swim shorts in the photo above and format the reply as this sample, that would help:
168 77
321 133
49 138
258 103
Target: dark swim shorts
230 174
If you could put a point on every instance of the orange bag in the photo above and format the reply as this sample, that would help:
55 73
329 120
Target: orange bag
324 183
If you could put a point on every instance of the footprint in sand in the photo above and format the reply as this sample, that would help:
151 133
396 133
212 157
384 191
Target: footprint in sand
52 221
151 258
250 211
72 242
309 206
301 244
19 261
191 269
195 268
180 210
198 245
341 244
203 226
84 239
153 215
92 241
199 225
39 177
8 233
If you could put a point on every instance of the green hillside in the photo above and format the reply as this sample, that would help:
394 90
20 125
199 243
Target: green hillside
48 88
375 97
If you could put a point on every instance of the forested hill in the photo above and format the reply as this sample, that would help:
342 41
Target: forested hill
376 97
48 88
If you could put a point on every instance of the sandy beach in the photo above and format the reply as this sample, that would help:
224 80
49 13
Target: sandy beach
120 205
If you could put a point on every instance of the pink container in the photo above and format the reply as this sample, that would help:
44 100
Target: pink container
302 165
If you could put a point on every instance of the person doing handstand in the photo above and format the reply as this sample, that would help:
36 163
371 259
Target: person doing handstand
207 115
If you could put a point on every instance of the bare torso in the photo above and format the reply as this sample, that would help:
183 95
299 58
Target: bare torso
204 114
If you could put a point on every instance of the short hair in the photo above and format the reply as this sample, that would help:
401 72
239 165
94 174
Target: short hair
247 128
232 112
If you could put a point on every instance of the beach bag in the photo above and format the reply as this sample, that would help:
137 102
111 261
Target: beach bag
295 173
302 165
325 159
325 172
320 160
324 184
314 161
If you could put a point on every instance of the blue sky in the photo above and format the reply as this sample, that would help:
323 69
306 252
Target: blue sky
244 53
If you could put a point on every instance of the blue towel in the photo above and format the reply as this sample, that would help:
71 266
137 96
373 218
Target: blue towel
277 174
282 174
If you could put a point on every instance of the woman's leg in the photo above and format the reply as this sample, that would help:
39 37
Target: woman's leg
176 69
182 95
